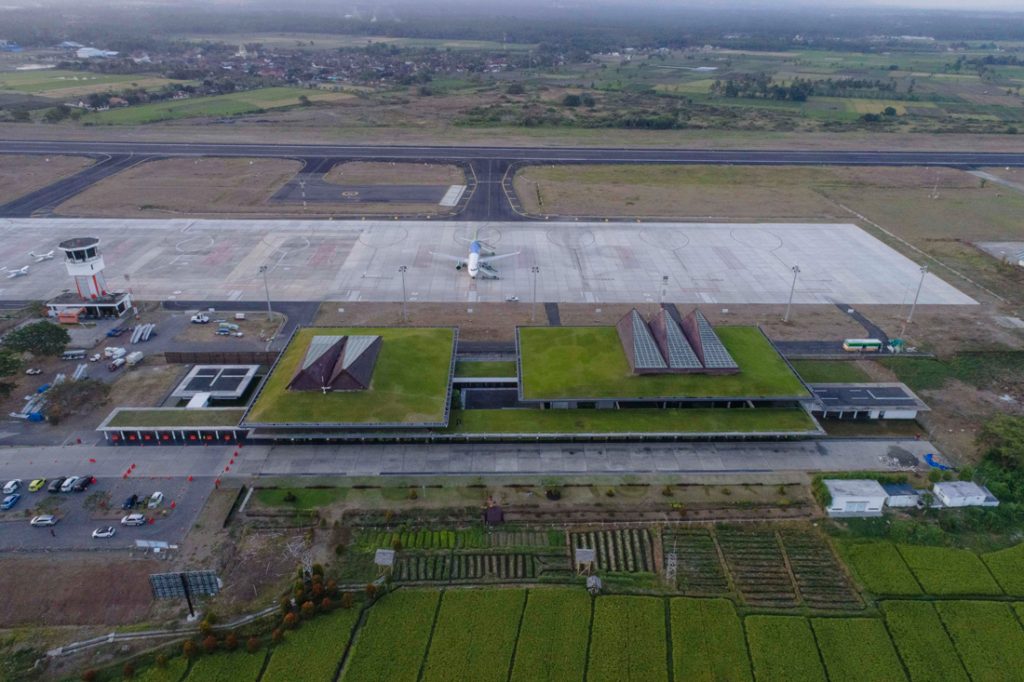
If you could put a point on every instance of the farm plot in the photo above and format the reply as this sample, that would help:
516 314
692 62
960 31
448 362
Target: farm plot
1007 567
820 578
527 538
423 567
707 641
370 540
404 616
922 642
698 568
553 636
628 640
782 648
857 650
627 550
313 651
493 566
474 636
758 568
880 568
240 666
945 571
987 636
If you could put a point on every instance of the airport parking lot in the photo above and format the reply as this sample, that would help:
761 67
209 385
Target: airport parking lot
82 512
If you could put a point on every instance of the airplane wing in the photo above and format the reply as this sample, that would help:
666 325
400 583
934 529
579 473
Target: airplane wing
490 259
445 256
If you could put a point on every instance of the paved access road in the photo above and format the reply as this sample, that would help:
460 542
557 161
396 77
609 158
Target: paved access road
530 154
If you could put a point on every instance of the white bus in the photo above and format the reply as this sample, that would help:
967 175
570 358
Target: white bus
862 345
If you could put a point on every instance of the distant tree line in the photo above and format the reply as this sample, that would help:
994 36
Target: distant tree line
763 86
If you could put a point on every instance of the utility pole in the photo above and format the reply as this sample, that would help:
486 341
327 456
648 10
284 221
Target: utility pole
792 290
266 288
405 316
924 271
533 310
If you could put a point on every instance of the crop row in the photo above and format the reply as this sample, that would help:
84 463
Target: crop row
312 652
422 539
698 568
554 538
987 636
504 566
628 640
622 550
405 616
758 567
819 577
553 636
921 639
857 650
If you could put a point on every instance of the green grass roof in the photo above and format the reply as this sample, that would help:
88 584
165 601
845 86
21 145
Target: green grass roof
567 363
409 386
151 418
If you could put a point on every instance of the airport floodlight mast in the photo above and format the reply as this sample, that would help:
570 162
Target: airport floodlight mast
924 273
402 269
533 310
792 290
266 288
664 288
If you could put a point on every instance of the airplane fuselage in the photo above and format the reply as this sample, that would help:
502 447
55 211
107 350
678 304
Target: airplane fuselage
473 262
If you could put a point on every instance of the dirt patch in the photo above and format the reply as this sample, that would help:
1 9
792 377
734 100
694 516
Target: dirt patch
144 386
254 326
20 175
382 173
76 588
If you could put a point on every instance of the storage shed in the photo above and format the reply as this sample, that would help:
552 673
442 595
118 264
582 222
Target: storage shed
855 497
901 495
964 494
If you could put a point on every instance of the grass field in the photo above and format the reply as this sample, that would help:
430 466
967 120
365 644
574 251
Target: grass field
474 636
20 175
465 368
409 384
305 498
553 636
588 363
628 640
946 571
988 638
634 420
404 617
59 83
707 642
880 567
830 371
922 642
148 418
218 106
782 649
1007 567
172 672
857 650
238 666
387 173
312 653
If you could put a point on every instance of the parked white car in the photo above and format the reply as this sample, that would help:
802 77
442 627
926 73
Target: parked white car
69 484
12 486
44 520
155 500
133 520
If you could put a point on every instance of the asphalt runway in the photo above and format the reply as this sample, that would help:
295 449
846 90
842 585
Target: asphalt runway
579 262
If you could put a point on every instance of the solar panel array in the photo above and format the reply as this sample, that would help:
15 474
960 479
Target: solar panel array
645 351
222 381
680 353
171 585
715 354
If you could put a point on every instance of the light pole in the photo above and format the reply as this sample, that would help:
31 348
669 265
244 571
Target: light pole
533 310
664 287
402 269
266 288
924 271
792 290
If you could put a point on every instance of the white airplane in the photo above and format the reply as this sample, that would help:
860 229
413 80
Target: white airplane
21 272
40 257
478 263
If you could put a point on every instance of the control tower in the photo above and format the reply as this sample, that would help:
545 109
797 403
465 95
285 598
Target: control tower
91 297
85 264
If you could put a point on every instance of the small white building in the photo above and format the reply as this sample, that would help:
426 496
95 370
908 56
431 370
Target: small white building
901 495
855 497
963 494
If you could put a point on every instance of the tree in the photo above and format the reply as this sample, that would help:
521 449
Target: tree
308 609
305 101
276 636
189 649
9 366
38 338
291 621
89 676
231 642
572 101
72 397
1002 439
516 89
128 671
889 111
347 600
326 604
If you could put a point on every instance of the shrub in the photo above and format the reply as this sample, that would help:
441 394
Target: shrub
205 627
209 644
308 609
347 599
291 621
667 491
189 649
128 671
161 661
276 636
89 676
326 604
231 642
318 570
371 591
252 645
290 497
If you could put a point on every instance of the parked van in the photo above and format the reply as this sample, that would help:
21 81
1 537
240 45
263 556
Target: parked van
73 354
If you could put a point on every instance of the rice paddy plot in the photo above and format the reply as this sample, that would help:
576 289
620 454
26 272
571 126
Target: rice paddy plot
922 642
947 571
707 641
758 568
627 641
627 550
699 569
988 638
880 568
782 649
474 636
553 636
404 616
857 650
